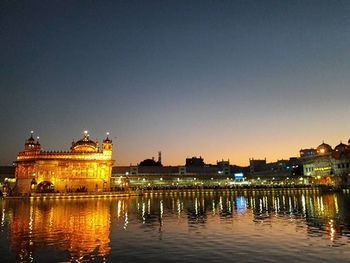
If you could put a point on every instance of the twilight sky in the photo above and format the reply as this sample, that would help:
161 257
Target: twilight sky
220 79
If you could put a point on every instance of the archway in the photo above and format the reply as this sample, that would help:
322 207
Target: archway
45 187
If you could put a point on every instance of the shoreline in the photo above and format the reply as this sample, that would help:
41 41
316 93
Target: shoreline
140 192
320 189
92 195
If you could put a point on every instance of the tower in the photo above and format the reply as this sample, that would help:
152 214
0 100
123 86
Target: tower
159 157
31 144
107 146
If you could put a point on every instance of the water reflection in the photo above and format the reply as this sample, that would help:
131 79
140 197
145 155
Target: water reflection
79 228
84 230
329 212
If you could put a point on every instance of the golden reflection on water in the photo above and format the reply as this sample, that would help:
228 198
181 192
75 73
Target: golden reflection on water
79 227
82 228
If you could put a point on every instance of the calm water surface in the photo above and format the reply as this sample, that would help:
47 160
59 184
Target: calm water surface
260 226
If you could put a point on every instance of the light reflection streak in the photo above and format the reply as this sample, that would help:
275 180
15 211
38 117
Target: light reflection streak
3 218
303 203
31 258
126 221
161 209
332 229
290 209
143 213
336 204
278 205
119 208
260 206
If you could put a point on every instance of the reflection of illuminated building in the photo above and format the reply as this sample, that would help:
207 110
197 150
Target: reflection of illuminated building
85 167
80 227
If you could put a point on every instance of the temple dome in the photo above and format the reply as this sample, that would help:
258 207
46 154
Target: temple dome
85 145
324 149
341 147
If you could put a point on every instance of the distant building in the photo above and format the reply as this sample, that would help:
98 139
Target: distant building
328 166
7 172
7 177
280 172
194 174
257 165
195 161
225 167
307 152
152 162
85 167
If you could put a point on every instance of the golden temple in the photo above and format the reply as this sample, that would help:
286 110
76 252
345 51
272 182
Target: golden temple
85 168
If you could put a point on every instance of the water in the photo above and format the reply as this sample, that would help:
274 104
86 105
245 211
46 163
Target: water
260 226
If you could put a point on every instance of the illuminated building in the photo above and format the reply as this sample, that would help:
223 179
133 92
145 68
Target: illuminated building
326 165
85 168
192 175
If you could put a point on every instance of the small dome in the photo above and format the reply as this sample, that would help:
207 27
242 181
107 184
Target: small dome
323 149
31 139
107 140
341 147
31 144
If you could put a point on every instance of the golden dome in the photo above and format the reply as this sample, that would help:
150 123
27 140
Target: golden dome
324 149
85 145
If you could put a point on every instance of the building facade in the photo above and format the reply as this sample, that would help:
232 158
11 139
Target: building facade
192 175
84 168
326 165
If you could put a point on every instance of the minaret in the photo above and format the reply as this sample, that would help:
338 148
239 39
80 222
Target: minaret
107 146
37 144
160 157
30 143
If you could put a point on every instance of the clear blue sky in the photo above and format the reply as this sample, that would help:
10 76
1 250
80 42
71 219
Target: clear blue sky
221 79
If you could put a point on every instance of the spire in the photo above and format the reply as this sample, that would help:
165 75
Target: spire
86 135
107 140
31 139
159 157
30 143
